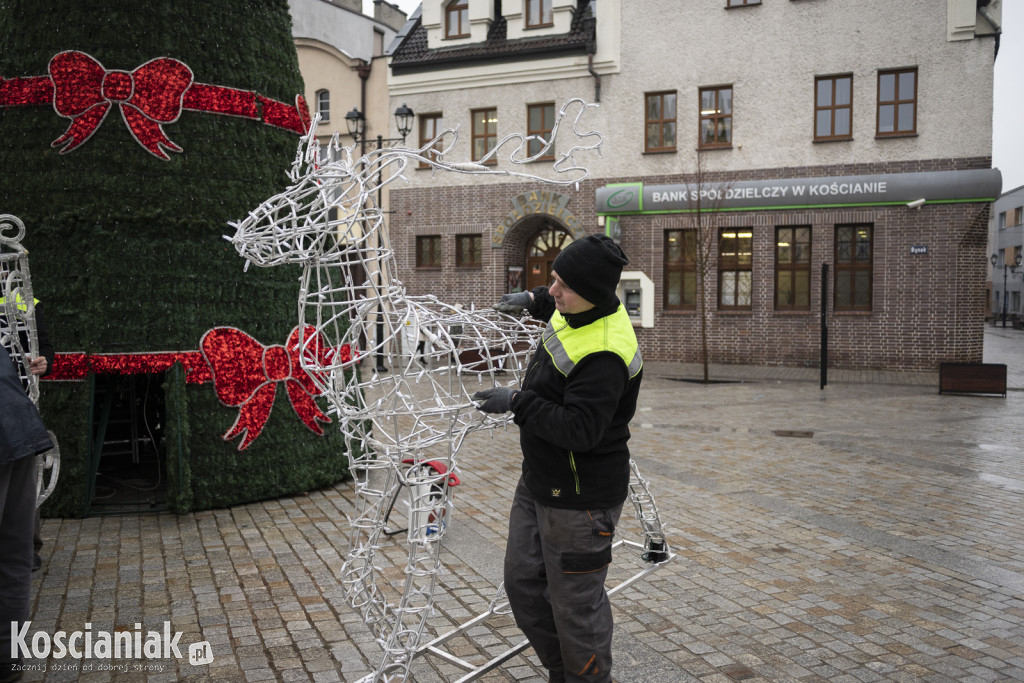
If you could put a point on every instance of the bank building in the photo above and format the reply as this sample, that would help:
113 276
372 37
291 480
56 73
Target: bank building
776 166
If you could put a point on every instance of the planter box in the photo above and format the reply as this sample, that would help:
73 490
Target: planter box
972 378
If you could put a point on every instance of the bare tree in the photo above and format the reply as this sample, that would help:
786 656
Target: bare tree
705 199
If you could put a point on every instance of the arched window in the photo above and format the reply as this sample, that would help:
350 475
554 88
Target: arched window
456 19
541 252
323 104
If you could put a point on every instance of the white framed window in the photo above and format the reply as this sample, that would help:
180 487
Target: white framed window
323 104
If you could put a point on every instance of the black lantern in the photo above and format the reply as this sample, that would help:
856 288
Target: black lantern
356 123
1013 269
403 119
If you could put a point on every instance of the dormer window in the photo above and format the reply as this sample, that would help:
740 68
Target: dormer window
456 19
538 13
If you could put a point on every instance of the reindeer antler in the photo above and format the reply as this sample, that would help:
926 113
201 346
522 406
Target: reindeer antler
292 225
397 159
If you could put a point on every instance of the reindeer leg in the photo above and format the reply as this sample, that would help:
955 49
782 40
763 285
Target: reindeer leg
430 511
376 481
656 549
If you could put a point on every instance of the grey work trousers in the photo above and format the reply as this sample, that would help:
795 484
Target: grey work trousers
556 562
17 521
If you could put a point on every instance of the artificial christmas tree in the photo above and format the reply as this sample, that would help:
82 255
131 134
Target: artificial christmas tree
132 133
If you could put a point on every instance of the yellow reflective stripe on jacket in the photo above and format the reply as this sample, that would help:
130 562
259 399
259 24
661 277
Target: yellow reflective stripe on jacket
568 346
19 302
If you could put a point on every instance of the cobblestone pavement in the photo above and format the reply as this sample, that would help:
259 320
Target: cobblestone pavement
869 531
1006 345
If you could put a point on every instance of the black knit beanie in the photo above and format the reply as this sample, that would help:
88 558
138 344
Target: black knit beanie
591 267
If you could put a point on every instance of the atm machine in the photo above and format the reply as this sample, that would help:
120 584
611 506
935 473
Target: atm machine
636 292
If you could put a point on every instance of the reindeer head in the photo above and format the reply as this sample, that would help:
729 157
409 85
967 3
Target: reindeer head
328 209
329 213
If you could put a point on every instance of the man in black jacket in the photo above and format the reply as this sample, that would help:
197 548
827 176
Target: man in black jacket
22 437
41 365
573 412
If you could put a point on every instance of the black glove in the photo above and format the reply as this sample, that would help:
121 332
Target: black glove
513 303
496 400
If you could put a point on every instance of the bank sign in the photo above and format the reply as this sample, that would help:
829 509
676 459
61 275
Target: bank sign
934 187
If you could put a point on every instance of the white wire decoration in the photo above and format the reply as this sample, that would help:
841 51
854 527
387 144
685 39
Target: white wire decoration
18 335
404 422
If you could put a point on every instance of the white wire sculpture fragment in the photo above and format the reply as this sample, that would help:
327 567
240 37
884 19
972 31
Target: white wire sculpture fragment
18 334
404 426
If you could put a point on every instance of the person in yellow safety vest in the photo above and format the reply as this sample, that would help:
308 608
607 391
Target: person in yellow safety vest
41 365
22 437
573 411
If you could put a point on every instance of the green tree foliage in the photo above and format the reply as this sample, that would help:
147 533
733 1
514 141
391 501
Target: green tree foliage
126 249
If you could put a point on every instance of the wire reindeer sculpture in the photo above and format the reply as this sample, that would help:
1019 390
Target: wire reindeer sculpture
402 428
18 334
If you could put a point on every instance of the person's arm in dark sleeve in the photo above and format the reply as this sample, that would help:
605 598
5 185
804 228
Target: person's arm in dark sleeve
22 432
543 306
46 349
591 397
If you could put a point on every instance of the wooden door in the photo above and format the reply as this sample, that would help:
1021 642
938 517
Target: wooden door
541 253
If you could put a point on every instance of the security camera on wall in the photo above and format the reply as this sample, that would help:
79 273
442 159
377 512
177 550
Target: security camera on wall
916 204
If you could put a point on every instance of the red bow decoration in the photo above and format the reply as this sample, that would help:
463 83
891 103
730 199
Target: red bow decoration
149 96
246 373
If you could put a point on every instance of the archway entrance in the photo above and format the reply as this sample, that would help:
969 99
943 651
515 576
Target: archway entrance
541 251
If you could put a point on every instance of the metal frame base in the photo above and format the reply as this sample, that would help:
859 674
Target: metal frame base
475 671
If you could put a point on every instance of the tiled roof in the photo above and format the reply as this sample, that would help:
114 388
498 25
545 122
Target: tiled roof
414 55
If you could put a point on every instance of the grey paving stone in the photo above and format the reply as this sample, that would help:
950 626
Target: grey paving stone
869 531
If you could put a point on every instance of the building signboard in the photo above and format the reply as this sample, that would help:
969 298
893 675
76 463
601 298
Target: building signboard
545 202
982 185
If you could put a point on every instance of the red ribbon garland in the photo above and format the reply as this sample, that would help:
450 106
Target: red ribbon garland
155 93
84 92
244 372
77 366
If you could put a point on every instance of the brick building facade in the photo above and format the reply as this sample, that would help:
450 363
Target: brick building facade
906 278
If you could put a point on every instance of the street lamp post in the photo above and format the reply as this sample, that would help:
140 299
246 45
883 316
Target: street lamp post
356 122
1013 269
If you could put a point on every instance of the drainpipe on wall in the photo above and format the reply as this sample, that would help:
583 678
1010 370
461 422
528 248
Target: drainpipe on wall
364 75
983 11
597 76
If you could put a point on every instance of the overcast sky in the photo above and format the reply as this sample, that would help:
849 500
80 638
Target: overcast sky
1008 118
